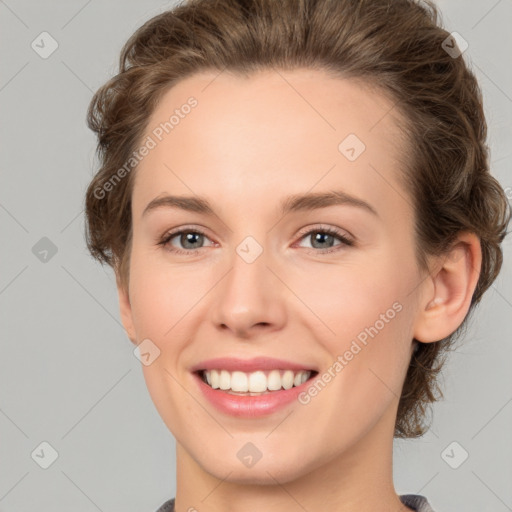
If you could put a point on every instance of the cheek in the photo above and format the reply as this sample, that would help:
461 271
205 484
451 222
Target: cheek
162 295
348 297
166 394
364 316
150 313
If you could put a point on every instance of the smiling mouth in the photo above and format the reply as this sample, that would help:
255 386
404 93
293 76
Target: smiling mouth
255 383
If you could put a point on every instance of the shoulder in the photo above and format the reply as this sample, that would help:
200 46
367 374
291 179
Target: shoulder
416 502
168 506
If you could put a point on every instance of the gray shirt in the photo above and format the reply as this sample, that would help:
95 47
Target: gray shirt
413 501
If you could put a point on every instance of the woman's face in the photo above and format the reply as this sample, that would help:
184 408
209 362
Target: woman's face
263 279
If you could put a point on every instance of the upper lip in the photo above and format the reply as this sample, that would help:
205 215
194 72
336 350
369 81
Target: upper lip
249 365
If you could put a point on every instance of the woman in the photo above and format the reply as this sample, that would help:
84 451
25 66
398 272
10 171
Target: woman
295 197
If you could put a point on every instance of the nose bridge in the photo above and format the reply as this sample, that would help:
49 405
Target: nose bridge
249 294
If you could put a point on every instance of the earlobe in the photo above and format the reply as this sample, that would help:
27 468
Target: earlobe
450 290
125 309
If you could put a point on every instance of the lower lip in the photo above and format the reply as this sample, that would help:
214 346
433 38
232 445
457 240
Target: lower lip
250 406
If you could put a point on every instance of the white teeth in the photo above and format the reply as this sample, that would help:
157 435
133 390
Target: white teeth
287 379
274 380
255 382
214 379
239 382
224 380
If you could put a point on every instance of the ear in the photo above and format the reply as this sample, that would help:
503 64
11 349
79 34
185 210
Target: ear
448 290
126 309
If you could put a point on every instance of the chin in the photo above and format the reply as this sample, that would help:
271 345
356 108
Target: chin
262 473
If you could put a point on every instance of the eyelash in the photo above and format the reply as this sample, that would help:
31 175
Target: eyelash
328 230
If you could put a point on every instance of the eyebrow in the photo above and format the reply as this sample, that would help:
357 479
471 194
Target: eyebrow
293 203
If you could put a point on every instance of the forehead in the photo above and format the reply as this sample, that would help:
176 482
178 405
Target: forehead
219 134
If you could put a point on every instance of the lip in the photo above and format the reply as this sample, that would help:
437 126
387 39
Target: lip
232 364
250 406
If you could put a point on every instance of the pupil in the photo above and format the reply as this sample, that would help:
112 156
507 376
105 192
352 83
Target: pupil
321 237
189 238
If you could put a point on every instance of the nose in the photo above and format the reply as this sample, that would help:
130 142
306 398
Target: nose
249 299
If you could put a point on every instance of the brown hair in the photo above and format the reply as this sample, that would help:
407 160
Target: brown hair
395 45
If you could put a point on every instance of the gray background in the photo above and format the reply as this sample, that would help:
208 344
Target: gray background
68 373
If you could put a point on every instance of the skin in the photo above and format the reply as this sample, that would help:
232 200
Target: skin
248 144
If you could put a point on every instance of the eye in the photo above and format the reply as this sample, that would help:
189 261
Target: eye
323 238
190 239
